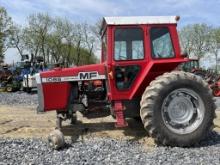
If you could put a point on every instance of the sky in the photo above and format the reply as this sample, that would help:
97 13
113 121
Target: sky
190 11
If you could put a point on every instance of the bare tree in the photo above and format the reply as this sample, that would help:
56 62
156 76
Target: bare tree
89 38
77 41
214 45
200 37
31 41
186 39
195 39
67 29
96 28
17 39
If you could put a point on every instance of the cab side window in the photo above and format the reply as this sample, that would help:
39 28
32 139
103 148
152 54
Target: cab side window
104 47
161 43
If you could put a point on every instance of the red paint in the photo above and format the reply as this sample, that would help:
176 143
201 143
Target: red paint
56 95
119 114
100 68
216 89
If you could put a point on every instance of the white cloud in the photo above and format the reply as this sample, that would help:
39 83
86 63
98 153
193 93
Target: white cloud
19 9
88 10
91 10
12 56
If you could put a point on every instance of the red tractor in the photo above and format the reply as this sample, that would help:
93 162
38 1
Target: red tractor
215 85
139 55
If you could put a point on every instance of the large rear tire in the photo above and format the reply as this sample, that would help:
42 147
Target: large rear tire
178 109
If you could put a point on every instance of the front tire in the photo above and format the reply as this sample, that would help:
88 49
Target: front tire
56 139
178 109
9 89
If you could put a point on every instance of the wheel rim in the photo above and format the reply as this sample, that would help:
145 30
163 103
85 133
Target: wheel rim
183 111
9 89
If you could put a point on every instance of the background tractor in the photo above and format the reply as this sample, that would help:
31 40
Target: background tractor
192 66
137 79
9 80
210 76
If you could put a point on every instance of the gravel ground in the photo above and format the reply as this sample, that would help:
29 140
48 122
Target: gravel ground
99 150
18 98
106 151
21 98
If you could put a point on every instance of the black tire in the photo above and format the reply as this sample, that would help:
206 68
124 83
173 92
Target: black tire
152 109
73 119
28 90
9 89
138 119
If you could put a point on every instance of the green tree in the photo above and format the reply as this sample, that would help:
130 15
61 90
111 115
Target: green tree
38 29
85 57
65 30
54 43
57 40
5 32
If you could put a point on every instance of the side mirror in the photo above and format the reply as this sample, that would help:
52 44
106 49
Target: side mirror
184 54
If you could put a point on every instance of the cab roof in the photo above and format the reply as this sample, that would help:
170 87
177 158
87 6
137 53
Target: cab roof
137 20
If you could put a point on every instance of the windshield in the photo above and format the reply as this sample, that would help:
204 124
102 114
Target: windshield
128 44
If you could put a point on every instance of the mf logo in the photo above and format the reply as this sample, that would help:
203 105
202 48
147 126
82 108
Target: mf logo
87 75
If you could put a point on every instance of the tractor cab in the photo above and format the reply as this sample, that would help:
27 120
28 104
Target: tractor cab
137 49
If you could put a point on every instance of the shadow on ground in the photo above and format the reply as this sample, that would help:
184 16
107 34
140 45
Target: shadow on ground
135 130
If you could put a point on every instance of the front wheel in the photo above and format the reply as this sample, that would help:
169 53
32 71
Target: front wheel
56 139
9 88
178 109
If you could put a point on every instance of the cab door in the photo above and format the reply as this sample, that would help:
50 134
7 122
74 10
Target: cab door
128 59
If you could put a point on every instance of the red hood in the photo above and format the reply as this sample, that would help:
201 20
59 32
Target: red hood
74 71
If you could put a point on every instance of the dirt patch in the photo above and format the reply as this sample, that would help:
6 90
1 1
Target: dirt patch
24 122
